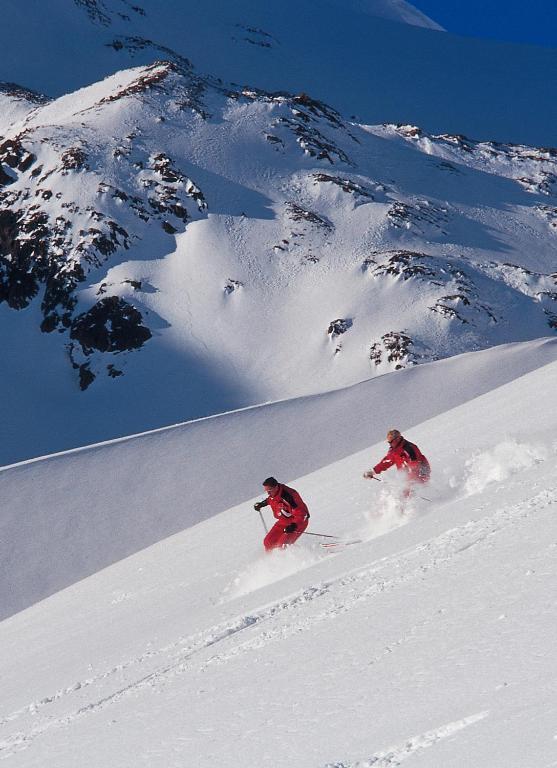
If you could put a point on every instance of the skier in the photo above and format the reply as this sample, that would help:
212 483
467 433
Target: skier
405 456
290 511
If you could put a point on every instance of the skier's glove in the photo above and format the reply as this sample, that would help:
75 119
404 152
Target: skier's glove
258 505
369 475
291 528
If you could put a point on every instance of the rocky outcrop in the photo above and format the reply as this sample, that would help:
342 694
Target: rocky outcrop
111 325
51 240
339 326
398 348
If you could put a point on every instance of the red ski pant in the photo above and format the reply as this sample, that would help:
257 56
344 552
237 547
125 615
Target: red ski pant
277 538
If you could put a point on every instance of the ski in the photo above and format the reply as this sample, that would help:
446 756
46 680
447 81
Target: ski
341 543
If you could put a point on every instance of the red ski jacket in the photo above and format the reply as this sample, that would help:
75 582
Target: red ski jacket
405 455
287 505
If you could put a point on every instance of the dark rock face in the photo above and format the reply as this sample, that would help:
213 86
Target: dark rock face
256 36
111 325
23 248
297 213
5 178
13 153
346 185
401 263
22 94
399 348
74 159
419 216
394 347
305 115
50 243
86 376
339 326
95 11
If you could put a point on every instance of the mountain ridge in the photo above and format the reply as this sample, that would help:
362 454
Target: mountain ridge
374 68
161 211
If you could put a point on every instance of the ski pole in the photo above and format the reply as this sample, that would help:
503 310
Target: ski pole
323 535
263 521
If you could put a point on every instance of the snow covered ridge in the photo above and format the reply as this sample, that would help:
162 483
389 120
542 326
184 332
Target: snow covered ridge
381 60
505 159
395 10
106 13
402 247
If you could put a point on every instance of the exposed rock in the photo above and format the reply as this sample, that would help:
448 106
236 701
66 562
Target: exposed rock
305 114
151 77
86 376
74 158
257 36
313 141
16 91
404 264
111 325
135 284
5 178
448 311
339 326
297 213
95 11
274 139
23 249
14 154
394 347
410 131
345 184
544 183
399 348
420 215
232 285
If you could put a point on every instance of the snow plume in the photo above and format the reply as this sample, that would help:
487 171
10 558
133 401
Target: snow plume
498 464
390 510
273 566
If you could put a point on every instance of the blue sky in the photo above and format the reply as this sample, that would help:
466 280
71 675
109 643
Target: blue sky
530 21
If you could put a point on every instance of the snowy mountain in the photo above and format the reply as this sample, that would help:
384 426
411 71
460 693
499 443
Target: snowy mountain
431 642
159 229
281 228
380 60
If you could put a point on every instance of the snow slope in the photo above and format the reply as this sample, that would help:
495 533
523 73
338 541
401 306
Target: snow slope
134 492
432 642
356 56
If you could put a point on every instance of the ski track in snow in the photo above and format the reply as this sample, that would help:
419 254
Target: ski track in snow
325 601
397 755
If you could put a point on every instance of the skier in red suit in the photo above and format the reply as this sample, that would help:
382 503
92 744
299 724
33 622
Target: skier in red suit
290 511
405 456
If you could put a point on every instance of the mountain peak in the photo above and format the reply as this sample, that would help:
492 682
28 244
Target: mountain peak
393 10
